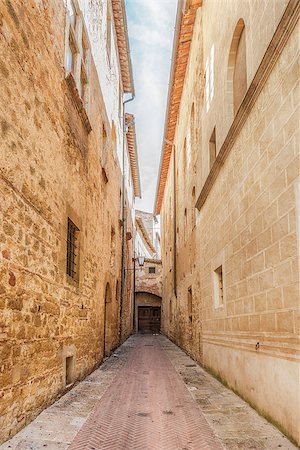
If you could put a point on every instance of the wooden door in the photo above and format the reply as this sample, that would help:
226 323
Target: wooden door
149 319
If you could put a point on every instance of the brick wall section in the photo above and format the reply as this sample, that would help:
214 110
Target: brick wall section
248 222
50 168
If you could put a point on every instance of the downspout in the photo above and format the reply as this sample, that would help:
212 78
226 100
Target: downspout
175 221
123 216
174 217
134 300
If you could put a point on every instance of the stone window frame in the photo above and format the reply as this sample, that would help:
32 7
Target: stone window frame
218 262
69 351
77 42
73 248
76 219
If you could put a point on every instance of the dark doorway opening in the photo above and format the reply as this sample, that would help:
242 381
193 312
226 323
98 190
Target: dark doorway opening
149 319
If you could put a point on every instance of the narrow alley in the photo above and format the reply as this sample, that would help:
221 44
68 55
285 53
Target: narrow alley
149 395
149 225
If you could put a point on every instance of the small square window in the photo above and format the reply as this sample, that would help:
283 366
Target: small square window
72 250
151 269
218 287
69 370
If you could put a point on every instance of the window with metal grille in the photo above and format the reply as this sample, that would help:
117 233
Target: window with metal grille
151 269
72 250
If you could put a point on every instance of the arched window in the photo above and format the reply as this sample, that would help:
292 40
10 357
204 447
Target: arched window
237 69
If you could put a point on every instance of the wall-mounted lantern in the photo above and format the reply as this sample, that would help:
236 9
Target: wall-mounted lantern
141 260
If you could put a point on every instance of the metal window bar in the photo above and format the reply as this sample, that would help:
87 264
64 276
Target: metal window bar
72 249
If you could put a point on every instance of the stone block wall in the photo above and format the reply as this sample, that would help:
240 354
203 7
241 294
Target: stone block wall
248 222
51 167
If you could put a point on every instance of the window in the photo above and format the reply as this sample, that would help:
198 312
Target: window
212 148
190 304
108 30
72 250
237 69
218 287
151 269
209 78
69 370
77 50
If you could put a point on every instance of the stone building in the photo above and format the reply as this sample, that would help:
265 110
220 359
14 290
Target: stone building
228 196
148 275
68 180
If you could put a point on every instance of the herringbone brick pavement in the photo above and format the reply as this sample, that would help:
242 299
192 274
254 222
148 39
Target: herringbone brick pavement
147 407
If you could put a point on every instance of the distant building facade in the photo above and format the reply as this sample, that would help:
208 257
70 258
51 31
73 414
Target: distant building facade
228 197
148 235
66 218
148 277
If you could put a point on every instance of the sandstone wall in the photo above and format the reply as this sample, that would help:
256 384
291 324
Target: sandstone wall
51 168
147 281
248 223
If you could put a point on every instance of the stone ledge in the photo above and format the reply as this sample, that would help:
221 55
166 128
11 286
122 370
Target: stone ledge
78 102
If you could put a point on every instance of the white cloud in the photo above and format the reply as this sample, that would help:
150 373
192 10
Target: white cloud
151 28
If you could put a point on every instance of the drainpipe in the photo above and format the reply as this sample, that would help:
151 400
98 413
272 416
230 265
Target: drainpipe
123 217
174 217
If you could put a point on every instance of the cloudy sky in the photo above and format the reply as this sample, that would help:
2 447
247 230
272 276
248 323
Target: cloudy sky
151 29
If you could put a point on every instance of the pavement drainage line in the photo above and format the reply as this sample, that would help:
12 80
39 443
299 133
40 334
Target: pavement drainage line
124 360
192 388
185 367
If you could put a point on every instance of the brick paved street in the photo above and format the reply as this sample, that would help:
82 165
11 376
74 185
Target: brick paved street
149 395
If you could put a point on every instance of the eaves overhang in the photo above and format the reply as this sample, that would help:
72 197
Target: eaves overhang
140 225
133 155
185 19
119 14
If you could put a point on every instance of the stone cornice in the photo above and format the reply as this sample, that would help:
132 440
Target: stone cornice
276 46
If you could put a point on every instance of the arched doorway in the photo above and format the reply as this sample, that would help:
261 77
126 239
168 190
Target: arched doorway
148 309
107 320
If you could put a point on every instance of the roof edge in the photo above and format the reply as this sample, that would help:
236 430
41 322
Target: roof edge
179 15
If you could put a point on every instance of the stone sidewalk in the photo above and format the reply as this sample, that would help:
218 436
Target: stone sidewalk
149 395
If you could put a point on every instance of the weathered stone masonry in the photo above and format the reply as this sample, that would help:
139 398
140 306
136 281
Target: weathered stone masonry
54 165
231 266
